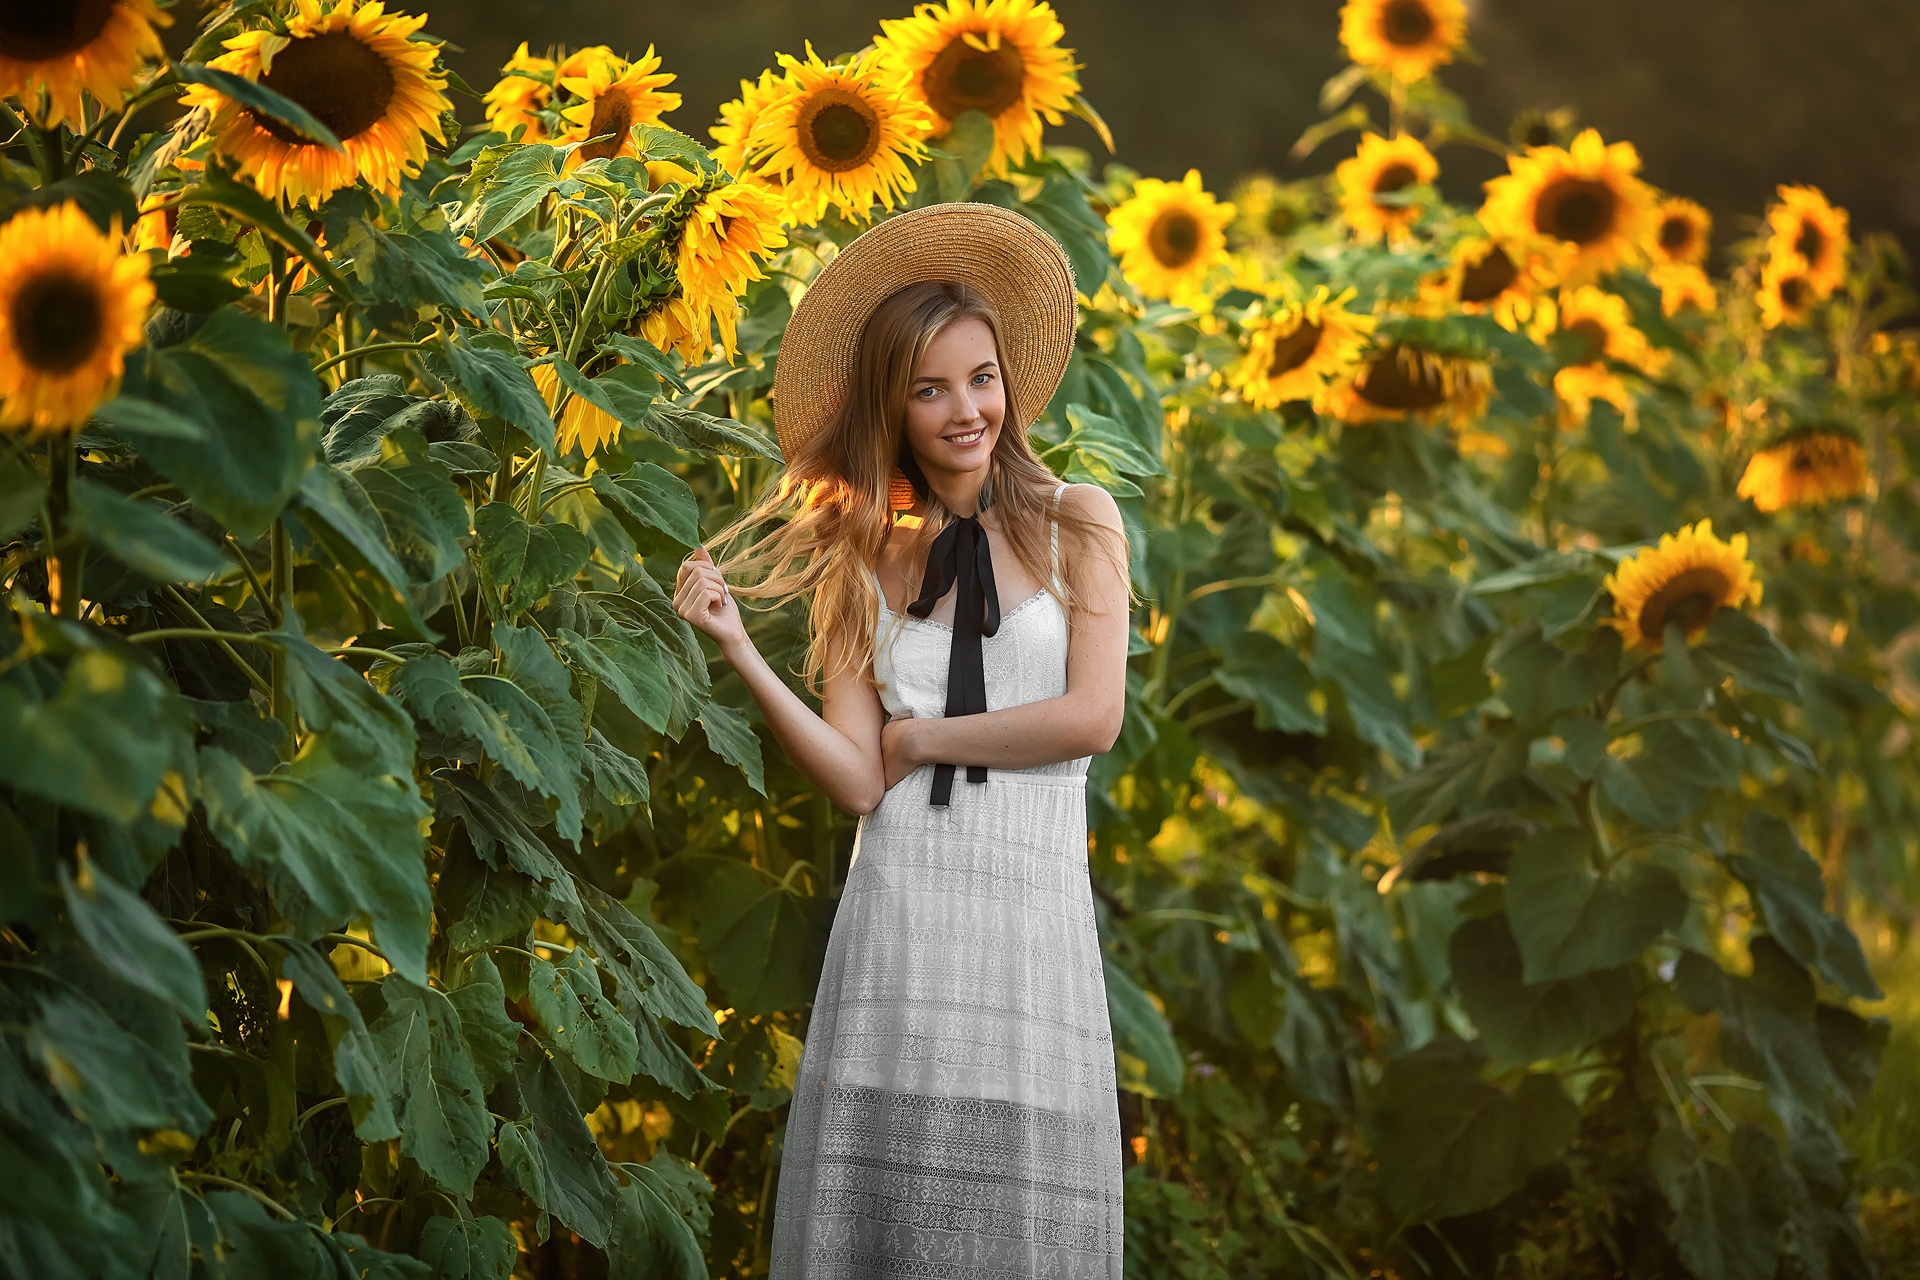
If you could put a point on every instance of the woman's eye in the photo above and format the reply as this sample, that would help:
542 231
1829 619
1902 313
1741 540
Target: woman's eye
982 379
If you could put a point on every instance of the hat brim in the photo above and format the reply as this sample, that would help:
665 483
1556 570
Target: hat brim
1024 275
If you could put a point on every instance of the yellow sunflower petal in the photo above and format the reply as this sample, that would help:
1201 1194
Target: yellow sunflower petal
1001 58
1398 381
1683 287
1599 329
1687 578
360 72
524 88
1381 168
1808 238
1169 235
1680 233
611 97
837 135
1787 294
1806 469
65 48
1406 39
71 306
1290 355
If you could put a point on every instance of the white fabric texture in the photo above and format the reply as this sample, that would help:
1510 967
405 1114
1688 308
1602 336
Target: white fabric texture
955 1116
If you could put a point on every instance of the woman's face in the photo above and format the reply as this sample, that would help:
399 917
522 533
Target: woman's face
956 402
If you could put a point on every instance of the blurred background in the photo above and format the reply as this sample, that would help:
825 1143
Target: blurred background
1724 98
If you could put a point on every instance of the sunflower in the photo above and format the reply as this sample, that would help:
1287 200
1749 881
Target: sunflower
1599 331
1809 238
71 306
1400 380
524 89
358 70
840 135
1683 285
1267 212
1001 58
97 46
1290 355
739 120
1687 578
612 96
1585 195
582 423
728 231
1806 469
1169 235
1506 280
681 324
1372 178
158 222
1679 234
1786 294
1406 39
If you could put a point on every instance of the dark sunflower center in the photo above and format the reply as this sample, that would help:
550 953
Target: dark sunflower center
57 323
1676 234
1407 23
1488 276
1575 209
1281 220
838 130
1537 134
1590 341
1811 241
1294 350
1802 461
1398 378
963 78
1394 177
1175 238
1690 599
1793 292
612 114
37 32
346 85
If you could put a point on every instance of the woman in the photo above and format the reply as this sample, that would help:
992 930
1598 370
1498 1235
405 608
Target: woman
955 1113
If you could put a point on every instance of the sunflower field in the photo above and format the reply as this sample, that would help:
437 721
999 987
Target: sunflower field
1507 868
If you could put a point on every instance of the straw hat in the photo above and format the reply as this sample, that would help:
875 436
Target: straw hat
1015 265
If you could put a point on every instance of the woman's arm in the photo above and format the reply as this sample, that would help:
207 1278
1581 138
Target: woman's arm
1083 721
838 751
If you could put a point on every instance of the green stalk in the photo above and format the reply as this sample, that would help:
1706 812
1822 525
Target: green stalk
280 583
63 567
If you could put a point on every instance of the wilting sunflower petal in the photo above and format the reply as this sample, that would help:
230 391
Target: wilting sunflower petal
1169 235
1807 468
71 306
1398 381
1406 39
1381 168
1001 58
1586 196
358 70
1687 578
65 48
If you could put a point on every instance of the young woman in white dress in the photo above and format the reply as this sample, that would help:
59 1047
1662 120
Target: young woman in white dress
955 1114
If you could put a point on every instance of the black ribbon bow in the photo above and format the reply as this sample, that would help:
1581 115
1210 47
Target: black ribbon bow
961 555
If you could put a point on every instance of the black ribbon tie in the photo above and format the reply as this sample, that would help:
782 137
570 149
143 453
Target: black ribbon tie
962 558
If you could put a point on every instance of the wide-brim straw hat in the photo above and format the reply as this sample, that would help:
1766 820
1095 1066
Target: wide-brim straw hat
1023 274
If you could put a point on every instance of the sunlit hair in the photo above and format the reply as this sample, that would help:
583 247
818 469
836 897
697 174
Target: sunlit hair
831 502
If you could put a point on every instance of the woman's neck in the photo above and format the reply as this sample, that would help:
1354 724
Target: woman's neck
959 492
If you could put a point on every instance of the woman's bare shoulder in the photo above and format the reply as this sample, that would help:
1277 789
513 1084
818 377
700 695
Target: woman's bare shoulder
1091 502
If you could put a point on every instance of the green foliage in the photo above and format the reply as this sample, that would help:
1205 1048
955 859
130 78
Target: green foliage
374 908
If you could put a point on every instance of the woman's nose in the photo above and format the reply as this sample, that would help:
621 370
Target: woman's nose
964 409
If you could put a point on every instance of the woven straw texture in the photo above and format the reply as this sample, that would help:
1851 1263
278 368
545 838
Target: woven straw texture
1016 265
955 1115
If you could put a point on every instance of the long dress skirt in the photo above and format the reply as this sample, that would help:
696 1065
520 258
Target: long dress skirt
955 1115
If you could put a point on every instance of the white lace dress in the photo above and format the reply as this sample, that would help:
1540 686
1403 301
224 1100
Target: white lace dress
955 1115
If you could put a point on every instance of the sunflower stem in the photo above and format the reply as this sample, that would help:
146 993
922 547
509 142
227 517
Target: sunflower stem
373 348
280 579
62 565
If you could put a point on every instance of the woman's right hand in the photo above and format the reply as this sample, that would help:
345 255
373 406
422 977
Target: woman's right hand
700 596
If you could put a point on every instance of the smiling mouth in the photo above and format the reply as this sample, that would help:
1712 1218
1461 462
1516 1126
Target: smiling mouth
966 437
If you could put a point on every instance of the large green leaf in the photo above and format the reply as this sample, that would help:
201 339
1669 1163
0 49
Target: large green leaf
1790 892
550 1153
424 516
351 840
644 969
1678 766
482 905
528 664
492 1037
1751 655
517 177
258 405
489 376
133 941
529 560
357 1060
1769 1024
650 1240
142 535
1378 715
764 942
336 508
422 268
367 726
1717 1229
1270 676
703 433
111 1078
469 1248
628 665
1521 1022
651 497
1448 1143
444 1125
567 1001
732 738
503 719
1570 920
1149 1060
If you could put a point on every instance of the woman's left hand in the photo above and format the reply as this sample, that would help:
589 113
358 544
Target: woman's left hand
898 739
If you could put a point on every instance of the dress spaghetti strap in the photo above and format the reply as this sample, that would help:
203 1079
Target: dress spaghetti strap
1053 538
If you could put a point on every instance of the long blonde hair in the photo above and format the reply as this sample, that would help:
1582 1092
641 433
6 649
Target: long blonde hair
832 500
